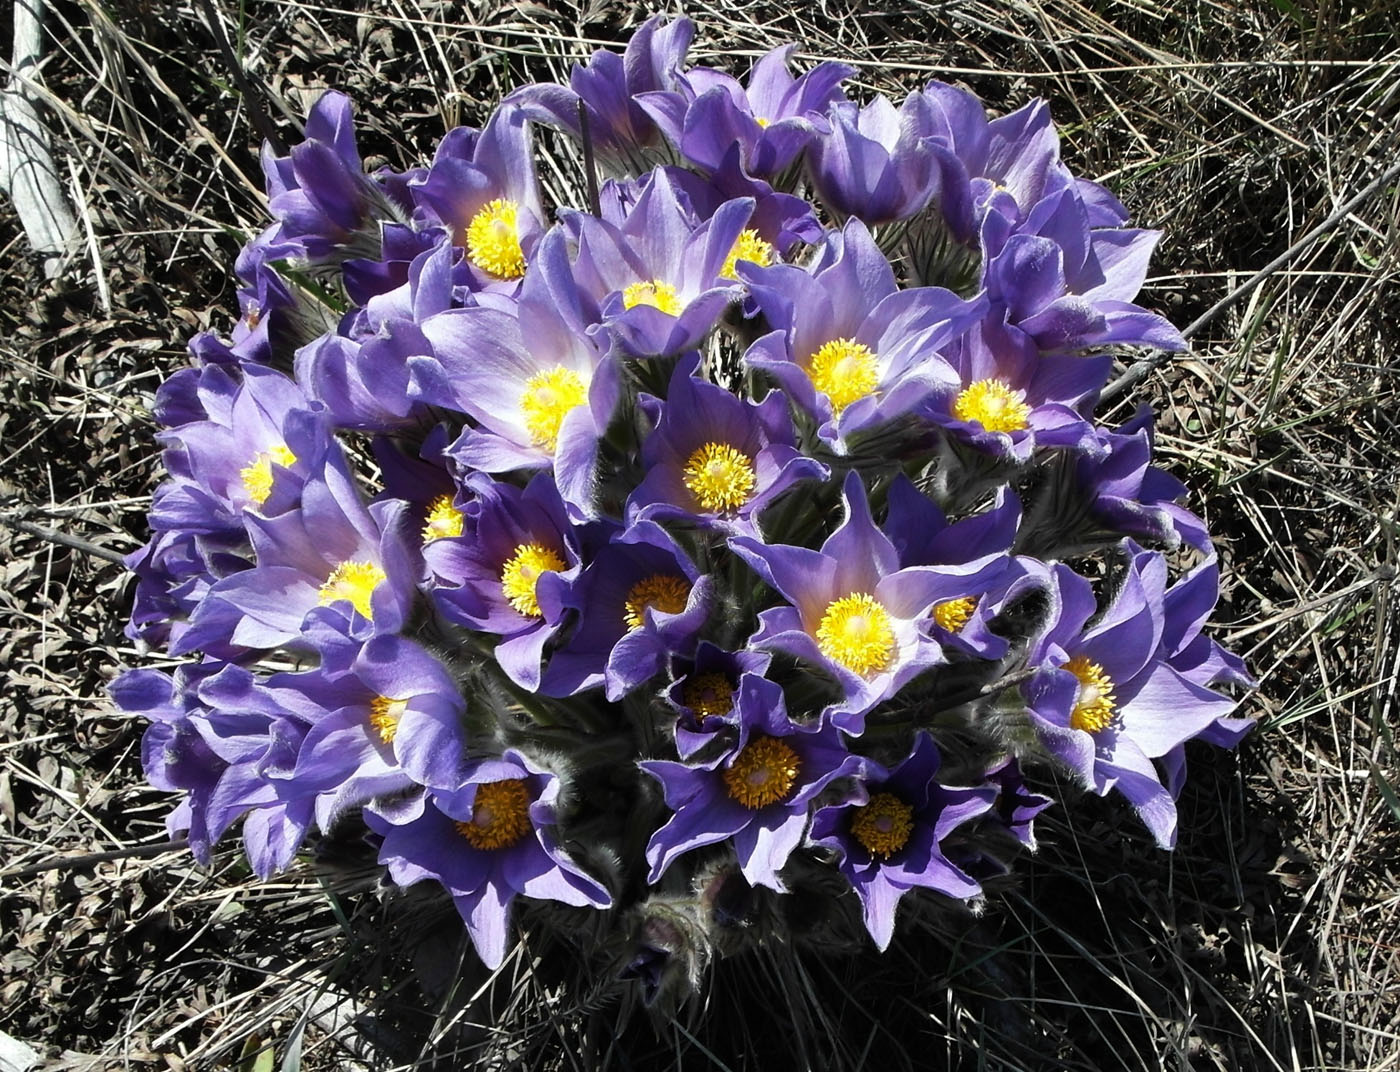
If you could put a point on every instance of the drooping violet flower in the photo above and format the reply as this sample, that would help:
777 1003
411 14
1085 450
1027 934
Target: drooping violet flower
1006 398
771 121
1016 806
715 459
325 205
1070 287
848 347
1003 165
658 277
852 611
489 577
1107 700
624 136
888 837
759 795
486 842
640 601
721 689
481 187
1126 494
174 757
873 164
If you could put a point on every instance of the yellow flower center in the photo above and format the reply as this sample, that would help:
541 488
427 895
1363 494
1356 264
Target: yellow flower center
747 247
1094 708
994 405
844 370
664 592
763 773
708 695
500 815
353 581
720 477
493 243
883 826
856 632
761 121
522 572
443 520
953 614
547 399
257 474
661 295
384 715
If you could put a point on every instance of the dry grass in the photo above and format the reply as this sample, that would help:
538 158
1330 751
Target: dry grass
1269 940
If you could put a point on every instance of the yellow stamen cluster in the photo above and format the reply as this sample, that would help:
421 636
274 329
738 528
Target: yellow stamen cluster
953 614
546 401
661 591
856 632
763 773
883 825
844 370
353 581
443 520
257 474
522 572
500 815
708 695
761 121
994 405
493 242
720 477
1094 708
747 247
661 295
384 715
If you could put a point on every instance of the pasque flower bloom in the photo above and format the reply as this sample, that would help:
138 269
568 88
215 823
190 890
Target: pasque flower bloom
486 842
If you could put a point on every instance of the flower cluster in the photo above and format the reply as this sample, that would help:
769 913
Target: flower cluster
746 531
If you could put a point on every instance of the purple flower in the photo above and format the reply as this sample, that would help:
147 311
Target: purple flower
1127 495
849 347
487 841
389 722
1003 165
362 375
509 572
540 391
888 837
1108 700
874 164
658 277
254 452
481 187
174 756
1067 285
640 601
853 612
716 459
1016 806
324 203
759 795
922 536
1007 399
771 121
624 137
722 689
331 552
